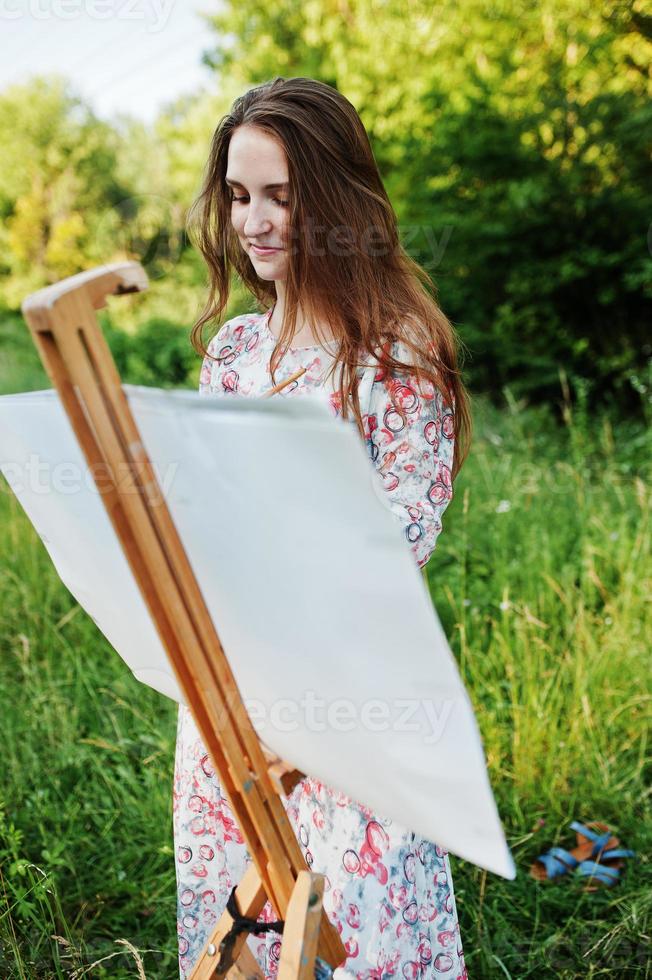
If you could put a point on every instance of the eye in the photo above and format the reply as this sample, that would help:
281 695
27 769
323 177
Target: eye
245 197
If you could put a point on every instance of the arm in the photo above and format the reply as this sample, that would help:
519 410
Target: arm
206 369
414 459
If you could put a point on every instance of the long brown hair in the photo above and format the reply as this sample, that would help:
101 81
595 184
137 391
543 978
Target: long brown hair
352 273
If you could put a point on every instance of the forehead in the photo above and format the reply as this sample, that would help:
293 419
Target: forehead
255 158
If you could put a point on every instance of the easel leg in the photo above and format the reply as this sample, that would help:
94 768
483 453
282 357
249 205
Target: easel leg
247 966
300 936
251 898
301 933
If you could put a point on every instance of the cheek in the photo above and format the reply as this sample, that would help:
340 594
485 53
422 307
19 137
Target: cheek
237 220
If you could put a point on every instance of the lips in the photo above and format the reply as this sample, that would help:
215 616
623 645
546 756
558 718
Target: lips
259 250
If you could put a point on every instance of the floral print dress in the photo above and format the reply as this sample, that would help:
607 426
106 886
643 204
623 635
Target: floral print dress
388 891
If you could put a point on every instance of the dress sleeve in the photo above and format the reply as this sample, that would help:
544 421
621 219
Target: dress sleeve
221 346
413 459
206 371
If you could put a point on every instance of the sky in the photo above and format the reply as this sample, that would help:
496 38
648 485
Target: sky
127 56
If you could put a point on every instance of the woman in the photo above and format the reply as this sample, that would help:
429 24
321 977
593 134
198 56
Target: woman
293 201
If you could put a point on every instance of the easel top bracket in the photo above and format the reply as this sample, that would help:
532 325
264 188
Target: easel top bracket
97 284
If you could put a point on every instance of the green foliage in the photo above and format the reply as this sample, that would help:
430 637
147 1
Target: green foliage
56 186
159 354
513 141
541 580
20 365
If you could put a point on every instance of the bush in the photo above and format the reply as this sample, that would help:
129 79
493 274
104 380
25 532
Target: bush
158 354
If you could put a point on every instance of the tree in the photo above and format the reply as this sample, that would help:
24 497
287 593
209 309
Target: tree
57 182
512 140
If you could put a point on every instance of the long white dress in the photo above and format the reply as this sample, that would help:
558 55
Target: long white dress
388 891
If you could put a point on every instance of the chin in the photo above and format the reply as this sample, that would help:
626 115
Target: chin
268 270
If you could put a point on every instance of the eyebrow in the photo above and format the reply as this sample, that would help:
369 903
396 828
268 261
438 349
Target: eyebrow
267 187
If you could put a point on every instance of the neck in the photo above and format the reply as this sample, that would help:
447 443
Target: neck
303 334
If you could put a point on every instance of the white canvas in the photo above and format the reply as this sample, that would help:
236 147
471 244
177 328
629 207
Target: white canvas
317 599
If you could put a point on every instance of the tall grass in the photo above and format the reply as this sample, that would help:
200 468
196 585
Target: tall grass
85 814
543 584
541 578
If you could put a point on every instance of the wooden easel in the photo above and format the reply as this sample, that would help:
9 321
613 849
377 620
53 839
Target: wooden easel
77 358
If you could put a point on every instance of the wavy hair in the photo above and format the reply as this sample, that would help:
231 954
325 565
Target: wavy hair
347 268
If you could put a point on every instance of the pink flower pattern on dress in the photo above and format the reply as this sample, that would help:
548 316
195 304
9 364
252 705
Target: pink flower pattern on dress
388 891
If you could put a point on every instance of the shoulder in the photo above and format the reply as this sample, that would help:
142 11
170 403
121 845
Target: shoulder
410 375
402 401
235 348
232 337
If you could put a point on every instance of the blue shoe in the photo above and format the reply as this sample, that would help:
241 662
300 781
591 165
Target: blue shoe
587 833
606 871
555 862
558 861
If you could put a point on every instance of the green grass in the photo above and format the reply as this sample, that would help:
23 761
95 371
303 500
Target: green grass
20 365
546 600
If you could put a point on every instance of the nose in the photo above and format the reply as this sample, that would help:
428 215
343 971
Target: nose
257 221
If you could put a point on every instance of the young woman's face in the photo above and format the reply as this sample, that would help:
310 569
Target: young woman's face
257 178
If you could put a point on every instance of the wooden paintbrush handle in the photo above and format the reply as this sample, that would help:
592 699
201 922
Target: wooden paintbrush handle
284 384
